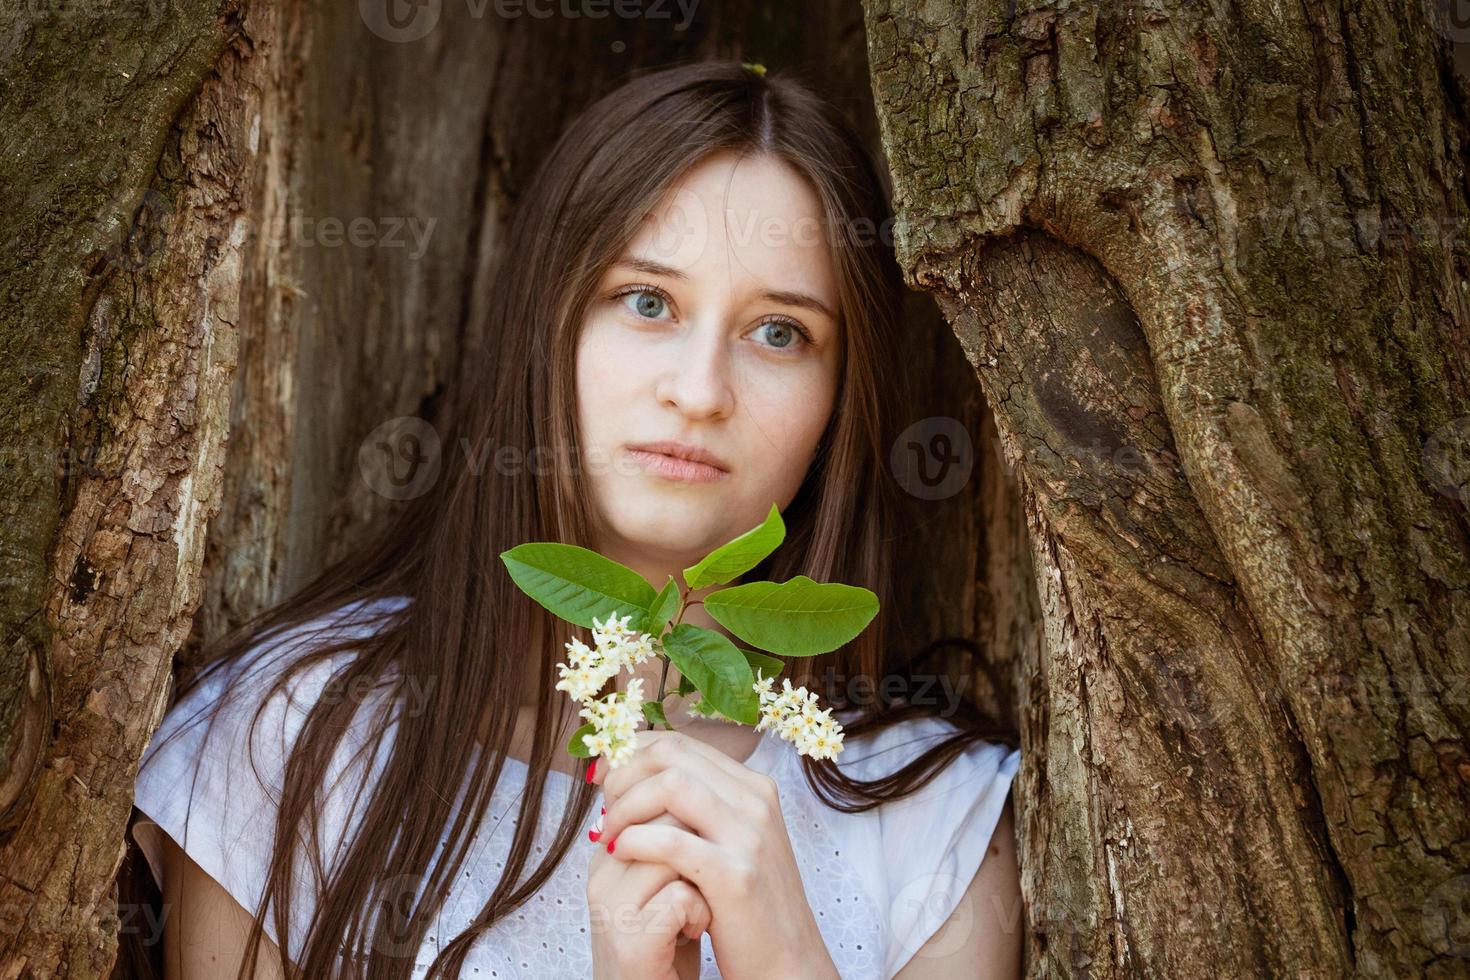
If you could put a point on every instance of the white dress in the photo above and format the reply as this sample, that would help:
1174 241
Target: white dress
880 883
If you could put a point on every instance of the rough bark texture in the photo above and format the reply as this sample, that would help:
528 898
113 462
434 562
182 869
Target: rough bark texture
1209 264
137 165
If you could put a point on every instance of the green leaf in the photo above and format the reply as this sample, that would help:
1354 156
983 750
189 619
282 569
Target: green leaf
654 712
769 666
740 555
663 608
796 618
718 669
576 746
579 585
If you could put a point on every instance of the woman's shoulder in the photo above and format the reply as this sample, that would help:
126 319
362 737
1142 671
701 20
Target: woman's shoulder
270 657
922 850
213 773
255 704
887 750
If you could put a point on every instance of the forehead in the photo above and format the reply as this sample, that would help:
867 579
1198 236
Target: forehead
742 222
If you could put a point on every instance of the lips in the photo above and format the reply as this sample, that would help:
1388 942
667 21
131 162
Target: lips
680 462
682 450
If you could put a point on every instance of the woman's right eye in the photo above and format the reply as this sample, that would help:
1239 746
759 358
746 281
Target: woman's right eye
644 302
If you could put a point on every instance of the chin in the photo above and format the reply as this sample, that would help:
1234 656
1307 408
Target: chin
683 528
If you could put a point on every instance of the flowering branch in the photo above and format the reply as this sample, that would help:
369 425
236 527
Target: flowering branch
631 623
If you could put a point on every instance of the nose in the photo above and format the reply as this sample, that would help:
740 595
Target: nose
697 380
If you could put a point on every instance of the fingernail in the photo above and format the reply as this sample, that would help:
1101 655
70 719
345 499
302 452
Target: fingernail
591 771
592 835
604 809
611 844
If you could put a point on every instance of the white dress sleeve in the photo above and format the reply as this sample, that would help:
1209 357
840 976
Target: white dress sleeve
926 848
217 796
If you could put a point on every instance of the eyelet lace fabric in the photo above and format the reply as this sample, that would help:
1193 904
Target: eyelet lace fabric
878 883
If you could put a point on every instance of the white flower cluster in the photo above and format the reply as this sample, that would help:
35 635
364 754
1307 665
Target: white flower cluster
615 721
615 718
794 715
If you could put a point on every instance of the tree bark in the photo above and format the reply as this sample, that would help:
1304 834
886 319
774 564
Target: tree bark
137 162
1209 265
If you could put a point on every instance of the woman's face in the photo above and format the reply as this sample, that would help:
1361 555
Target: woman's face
717 329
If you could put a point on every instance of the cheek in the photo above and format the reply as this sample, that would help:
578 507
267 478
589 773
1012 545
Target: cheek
604 375
789 411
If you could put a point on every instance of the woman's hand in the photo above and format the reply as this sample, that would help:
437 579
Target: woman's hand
734 849
645 920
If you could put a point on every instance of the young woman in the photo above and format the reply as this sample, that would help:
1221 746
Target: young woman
696 317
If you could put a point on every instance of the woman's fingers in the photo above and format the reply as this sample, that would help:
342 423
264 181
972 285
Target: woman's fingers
676 792
658 750
679 908
636 881
678 905
643 916
709 867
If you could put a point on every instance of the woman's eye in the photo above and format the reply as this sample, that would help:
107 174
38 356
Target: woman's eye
644 303
780 334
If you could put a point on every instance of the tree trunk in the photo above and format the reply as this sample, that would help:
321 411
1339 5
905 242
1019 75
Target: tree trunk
1209 264
246 238
130 159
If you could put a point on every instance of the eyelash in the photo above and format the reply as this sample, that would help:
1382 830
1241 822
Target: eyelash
669 301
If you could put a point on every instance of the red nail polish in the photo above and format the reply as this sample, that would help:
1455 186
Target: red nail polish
592 835
604 809
591 771
611 844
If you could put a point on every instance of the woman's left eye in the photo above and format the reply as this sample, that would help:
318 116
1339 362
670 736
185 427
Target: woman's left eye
646 302
783 334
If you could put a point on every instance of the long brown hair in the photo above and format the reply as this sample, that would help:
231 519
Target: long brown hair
469 635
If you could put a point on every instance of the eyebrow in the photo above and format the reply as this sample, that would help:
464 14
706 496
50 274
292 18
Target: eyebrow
785 297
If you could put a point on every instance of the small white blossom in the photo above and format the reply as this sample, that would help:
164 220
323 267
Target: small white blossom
793 714
615 720
590 668
616 717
